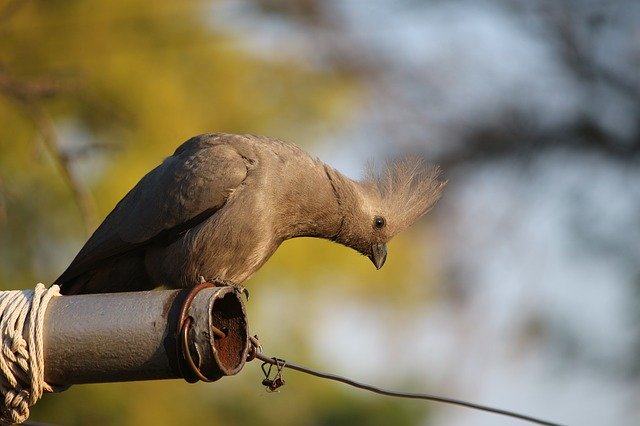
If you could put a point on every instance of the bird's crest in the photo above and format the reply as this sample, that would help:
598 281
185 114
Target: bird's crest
408 188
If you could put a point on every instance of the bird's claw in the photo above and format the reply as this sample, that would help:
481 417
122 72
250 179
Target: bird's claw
241 289
237 287
223 283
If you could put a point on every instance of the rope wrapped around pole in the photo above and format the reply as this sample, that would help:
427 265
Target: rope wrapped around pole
197 333
22 356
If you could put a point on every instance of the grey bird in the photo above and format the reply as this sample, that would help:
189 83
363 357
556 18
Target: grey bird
220 206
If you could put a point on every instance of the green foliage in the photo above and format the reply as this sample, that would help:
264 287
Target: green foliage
141 77
238 400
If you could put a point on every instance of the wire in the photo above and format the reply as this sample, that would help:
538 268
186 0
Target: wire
280 363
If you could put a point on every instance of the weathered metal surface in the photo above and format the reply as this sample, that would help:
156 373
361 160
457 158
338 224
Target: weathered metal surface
135 336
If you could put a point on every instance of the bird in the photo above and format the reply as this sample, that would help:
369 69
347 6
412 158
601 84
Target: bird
220 206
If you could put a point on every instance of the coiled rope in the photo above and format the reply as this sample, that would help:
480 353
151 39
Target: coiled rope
22 356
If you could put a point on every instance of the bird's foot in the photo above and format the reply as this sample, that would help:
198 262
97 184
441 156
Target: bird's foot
237 287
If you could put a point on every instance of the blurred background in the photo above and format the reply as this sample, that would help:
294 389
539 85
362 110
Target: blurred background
520 290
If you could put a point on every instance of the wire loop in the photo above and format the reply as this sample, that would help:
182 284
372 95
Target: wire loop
188 368
272 385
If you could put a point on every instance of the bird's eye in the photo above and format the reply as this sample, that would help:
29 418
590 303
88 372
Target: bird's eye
379 222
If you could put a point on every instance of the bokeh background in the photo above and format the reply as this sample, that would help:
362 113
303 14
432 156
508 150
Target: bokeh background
521 289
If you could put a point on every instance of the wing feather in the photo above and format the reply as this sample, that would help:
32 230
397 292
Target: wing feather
184 190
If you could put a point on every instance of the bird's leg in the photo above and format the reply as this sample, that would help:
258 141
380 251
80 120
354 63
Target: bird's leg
239 288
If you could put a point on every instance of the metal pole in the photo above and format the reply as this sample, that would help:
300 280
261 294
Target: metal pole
198 333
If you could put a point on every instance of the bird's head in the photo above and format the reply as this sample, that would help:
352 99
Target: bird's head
384 203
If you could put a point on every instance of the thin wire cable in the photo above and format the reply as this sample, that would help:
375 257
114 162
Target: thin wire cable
21 353
280 362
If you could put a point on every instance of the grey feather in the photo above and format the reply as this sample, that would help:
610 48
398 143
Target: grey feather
221 205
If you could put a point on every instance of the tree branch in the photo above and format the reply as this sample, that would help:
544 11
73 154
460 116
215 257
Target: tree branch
9 9
3 204
26 95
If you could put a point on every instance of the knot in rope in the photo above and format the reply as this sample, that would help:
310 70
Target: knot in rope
22 355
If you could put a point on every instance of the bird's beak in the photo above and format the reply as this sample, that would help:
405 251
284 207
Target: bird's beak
378 254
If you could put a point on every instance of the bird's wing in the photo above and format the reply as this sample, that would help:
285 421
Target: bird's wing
184 190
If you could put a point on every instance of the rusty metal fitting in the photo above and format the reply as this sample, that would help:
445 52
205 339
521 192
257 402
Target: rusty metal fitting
198 333
222 338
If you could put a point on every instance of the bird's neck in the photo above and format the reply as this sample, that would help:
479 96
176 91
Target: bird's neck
310 207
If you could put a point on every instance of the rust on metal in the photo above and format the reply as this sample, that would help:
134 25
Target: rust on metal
221 343
228 314
139 336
